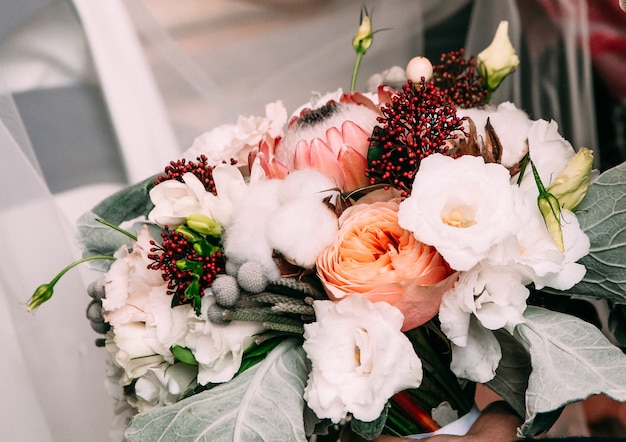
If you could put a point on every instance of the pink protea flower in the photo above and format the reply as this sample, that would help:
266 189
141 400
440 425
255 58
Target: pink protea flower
332 139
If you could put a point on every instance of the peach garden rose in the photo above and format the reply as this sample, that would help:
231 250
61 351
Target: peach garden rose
373 256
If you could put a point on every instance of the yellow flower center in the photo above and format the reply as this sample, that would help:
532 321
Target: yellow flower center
461 217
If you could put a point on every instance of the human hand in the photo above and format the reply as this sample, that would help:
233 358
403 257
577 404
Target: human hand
497 422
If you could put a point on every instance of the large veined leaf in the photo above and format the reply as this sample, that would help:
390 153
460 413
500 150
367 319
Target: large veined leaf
602 216
511 380
264 403
571 360
129 203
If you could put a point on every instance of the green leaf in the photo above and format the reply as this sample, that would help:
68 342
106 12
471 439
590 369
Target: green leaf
183 354
95 238
602 216
128 203
617 324
376 150
264 403
512 374
571 360
370 430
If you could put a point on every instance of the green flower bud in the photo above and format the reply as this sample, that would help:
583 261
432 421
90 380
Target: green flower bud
571 186
205 225
364 37
499 59
550 210
184 355
41 295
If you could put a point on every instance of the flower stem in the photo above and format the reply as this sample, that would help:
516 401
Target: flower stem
77 262
418 413
45 291
118 228
355 73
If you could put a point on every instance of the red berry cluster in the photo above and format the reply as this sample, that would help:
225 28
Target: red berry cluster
187 272
459 80
202 170
415 124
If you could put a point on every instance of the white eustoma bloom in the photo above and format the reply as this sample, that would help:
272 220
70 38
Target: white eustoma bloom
478 360
237 140
163 385
577 245
462 207
549 152
174 200
359 358
492 293
217 348
139 309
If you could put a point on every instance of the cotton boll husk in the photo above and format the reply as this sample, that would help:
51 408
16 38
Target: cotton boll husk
301 229
307 182
246 239
510 124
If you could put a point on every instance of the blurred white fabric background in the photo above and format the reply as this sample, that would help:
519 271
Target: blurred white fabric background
99 94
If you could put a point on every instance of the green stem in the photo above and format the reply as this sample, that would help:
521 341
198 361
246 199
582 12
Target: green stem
44 292
118 228
525 161
441 373
77 262
355 73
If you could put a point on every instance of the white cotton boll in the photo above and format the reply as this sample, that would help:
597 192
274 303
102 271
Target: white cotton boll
509 123
478 116
306 182
245 239
301 229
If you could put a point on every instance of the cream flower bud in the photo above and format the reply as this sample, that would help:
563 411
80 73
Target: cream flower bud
551 211
419 67
499 59
362 41
571 186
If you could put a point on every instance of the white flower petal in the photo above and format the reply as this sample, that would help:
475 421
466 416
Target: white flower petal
479 358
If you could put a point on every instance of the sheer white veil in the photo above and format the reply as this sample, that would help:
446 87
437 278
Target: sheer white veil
53 373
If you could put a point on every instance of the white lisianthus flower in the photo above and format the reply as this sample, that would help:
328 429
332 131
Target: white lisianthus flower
479 358
139 309
509 123
163 385
577 245
174 200
236 140
494 294
359 358
217 348
549 152
462 207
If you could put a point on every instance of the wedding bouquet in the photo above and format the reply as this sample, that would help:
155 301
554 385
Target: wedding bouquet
363 263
